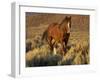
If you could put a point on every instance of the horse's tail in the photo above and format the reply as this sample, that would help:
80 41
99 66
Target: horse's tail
44 36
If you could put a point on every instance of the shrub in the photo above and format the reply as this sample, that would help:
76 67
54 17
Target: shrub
78 53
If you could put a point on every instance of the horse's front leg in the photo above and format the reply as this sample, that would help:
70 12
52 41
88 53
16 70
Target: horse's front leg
66 39
54 51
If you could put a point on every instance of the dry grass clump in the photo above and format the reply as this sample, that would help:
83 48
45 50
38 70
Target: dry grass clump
38 53
77 54
32 43
43 56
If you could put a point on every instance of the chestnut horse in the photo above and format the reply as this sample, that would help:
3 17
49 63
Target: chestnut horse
58 33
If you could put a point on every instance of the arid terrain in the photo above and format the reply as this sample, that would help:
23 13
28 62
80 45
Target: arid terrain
39 54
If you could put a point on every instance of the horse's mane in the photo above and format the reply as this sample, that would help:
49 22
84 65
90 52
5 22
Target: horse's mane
64 22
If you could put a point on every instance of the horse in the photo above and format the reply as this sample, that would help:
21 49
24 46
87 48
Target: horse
58 34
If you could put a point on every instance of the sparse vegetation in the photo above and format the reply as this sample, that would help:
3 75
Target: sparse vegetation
78 53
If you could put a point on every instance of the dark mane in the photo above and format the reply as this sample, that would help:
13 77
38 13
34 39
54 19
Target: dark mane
65 20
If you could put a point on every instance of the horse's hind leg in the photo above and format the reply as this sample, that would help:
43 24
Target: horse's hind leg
54 51
51 42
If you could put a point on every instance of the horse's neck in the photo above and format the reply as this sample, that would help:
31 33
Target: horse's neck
62 25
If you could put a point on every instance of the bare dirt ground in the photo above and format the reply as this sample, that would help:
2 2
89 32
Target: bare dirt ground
41 55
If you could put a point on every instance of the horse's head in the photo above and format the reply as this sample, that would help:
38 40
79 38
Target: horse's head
66 24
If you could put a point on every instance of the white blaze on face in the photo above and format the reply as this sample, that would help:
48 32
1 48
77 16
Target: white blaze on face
54 51
68 27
